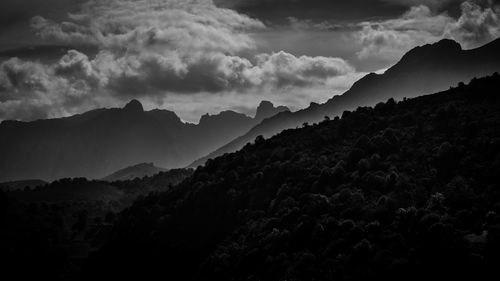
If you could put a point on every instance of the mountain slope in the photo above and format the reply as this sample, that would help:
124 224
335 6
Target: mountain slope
21 185
136 171
99 142
69 190
401 191
423 70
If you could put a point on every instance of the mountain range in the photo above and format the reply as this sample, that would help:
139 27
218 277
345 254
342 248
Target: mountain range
99 142
423 70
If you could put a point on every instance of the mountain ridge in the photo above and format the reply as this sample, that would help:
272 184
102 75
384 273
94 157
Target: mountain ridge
424 69
136 171
99 142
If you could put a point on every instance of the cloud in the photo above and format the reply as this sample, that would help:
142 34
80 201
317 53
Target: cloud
390 39
277 11
475 26
429 3
19 11
154 50
282 69
135 25
31 90
149 47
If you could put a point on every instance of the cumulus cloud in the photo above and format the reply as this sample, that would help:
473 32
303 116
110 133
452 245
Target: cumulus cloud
135 25
31 90
154 49
476 26
390 39
283 69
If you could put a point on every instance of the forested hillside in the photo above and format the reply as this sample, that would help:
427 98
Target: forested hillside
47 232
403 191
423 70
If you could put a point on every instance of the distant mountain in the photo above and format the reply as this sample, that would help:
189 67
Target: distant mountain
99 142
21 185
77 189
137 171
423 70
266 110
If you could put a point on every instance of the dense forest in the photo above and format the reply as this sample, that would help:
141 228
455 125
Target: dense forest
402 191
48 231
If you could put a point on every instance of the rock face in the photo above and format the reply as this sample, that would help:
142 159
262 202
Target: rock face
134 106
99 142
266 109
423 70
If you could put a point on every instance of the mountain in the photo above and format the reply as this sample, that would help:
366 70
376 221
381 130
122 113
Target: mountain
402 191
99 142
266 110
137 171
423 70
21 185
70 190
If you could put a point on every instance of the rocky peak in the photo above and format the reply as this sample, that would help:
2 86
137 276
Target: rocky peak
134 106
267 109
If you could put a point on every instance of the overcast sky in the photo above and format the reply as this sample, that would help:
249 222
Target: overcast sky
61 57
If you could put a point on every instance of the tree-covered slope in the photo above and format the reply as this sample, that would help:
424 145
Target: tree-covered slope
47 232
423 70
401 191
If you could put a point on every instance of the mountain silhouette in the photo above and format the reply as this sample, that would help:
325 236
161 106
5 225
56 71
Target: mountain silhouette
400 191
99 142
423 70
266 109
21 185
136 171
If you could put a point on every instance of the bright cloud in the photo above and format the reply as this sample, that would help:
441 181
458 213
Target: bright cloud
390 39
153 50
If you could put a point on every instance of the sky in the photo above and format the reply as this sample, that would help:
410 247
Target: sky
63 57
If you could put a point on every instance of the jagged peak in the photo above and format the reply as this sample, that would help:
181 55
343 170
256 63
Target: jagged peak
134 106
266 109
265 103
222 115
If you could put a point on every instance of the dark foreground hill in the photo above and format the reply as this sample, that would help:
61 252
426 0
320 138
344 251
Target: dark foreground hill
47 232
21 185
99 142
401 191
423 70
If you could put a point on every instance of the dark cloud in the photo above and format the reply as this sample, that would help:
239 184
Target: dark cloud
15 18
281 10
278 11
21 11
